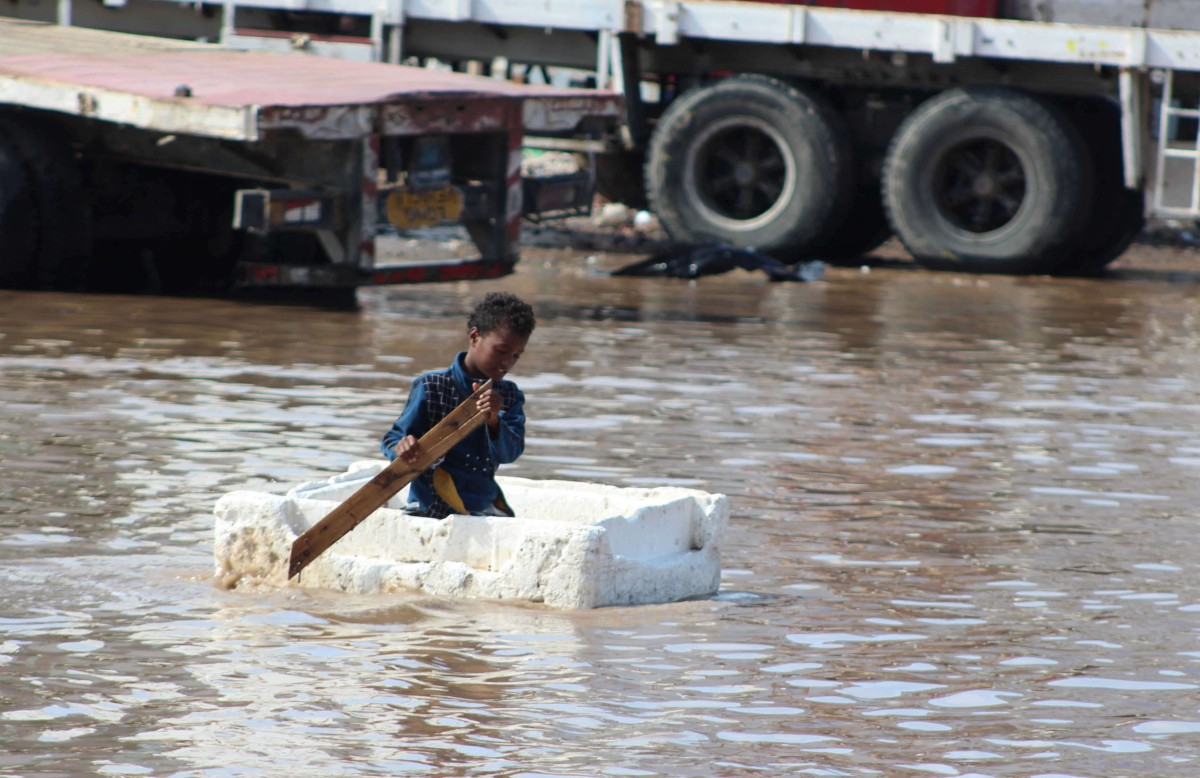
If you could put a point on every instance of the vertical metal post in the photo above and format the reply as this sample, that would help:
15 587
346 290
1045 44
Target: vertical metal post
396 43
396 33
634 133
361 231
616 63
509 233
1164 137
377 20
1133 127
228 10
64 12
604 59
1195 207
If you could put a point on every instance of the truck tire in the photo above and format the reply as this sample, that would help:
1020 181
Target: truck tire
18 222
202 256
1116 214
865 229
750 162
986 179
61 219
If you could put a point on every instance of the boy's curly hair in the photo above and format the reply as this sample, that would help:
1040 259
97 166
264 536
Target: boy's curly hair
501 309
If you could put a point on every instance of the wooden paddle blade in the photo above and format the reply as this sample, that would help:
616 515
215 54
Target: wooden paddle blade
433 445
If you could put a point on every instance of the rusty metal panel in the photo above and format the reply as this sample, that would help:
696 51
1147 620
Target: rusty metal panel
557 113
319 122
468 113
167 115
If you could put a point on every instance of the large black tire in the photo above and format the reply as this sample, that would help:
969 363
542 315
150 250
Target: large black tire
865 229
1117 215
61 222
750 162
205 258
619 178
987 179
170 231
18 220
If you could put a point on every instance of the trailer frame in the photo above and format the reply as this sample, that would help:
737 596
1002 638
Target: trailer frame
313 143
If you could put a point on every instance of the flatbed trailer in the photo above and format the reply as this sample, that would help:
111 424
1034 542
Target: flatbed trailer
192 164
1039 142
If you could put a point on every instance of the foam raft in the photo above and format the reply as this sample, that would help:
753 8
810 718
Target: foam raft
571 544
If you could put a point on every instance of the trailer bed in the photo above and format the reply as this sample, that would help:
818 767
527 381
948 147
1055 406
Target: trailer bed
213 91
942 37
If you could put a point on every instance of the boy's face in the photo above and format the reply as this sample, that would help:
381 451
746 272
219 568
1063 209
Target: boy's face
493 354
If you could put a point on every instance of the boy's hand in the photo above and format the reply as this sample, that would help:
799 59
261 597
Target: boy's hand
490 403
407 449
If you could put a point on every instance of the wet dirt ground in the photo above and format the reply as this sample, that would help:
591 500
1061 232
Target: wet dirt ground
963 541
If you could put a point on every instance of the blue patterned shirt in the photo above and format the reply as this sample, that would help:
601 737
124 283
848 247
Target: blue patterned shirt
473 462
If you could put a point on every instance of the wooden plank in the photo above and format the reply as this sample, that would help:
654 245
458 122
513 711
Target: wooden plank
434 445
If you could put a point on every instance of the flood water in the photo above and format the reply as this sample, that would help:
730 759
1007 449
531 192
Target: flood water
963 537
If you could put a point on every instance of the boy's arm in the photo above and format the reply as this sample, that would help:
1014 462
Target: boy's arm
412 421
507 441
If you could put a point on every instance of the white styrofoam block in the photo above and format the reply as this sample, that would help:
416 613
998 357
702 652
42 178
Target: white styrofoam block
571 544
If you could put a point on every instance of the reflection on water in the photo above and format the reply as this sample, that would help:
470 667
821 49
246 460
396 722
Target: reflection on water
962 540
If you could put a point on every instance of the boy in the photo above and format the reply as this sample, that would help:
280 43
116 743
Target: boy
464 481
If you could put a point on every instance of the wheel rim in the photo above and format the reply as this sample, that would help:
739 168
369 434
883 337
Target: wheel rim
979 185
740 173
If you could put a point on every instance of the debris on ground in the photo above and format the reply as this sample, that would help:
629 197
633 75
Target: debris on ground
617 229
711 259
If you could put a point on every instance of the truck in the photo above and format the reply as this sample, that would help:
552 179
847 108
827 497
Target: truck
987 135
139 162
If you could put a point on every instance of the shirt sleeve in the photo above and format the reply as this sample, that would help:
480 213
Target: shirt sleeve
413 420
508 441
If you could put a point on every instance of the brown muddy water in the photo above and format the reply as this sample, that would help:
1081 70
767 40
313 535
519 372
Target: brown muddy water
963 543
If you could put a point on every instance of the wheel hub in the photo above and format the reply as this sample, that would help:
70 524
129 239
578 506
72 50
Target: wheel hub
744 173
984 185
980 185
